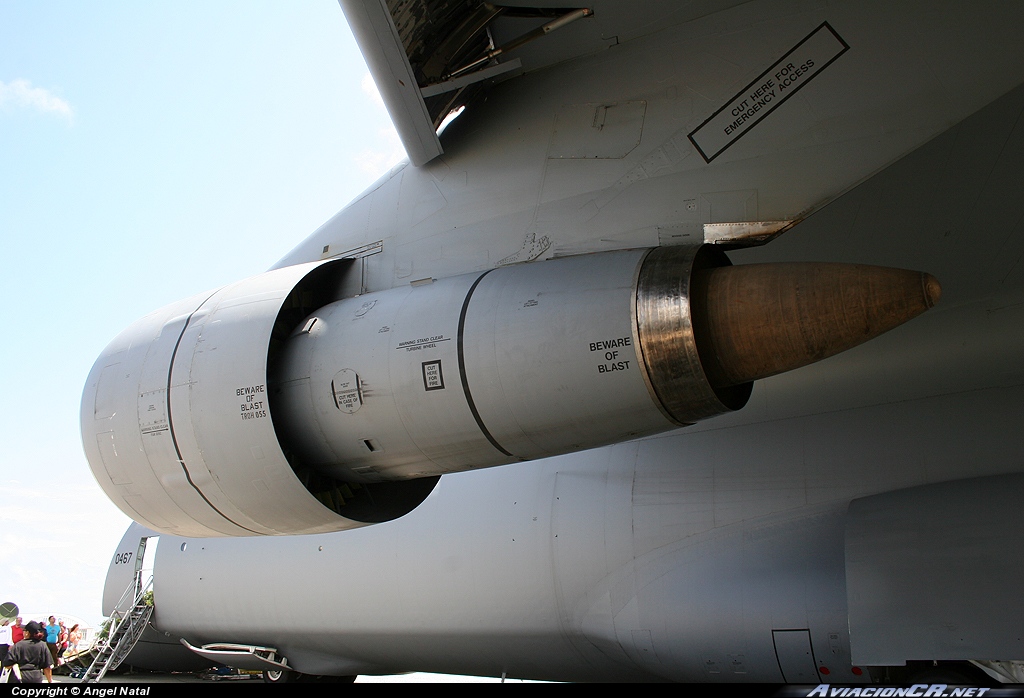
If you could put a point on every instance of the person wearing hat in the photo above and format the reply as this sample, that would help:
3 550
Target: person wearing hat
32 656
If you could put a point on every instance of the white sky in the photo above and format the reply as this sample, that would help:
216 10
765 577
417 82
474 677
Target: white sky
148 151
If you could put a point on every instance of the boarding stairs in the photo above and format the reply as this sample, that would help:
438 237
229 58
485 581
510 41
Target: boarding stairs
126 627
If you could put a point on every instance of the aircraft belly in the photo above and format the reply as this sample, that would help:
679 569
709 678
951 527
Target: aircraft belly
363 598
705 607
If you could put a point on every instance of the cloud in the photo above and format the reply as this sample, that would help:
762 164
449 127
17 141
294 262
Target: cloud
20 94
386 150
387 153
72 529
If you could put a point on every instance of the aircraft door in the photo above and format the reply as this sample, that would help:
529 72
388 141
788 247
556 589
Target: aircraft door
129 559
146 559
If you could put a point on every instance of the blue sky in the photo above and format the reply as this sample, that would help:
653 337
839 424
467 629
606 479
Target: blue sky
148 151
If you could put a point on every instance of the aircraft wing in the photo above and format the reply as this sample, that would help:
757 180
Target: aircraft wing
430 58
385 54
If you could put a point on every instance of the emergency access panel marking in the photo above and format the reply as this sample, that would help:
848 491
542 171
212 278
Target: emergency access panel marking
768 91
433 379
254 401
345 389
613 354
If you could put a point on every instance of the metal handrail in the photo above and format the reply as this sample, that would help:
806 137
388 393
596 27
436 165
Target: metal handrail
138 598
117 619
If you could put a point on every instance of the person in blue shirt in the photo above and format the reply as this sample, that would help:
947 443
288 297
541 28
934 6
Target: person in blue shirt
52 635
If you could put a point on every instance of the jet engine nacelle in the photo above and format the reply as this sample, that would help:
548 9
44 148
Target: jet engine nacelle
177 428
273 406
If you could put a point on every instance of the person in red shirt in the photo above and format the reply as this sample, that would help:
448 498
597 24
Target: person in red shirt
17 632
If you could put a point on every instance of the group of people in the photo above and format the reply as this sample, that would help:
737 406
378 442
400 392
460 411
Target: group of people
33 649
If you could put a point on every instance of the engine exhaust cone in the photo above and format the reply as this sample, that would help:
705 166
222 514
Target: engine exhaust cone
758 320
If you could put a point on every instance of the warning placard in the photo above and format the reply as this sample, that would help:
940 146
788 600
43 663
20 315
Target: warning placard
433 378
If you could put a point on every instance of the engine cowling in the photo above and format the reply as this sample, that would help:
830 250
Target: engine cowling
273 407
176 422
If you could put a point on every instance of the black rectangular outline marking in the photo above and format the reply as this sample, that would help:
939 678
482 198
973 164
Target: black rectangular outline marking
823 25
440 375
